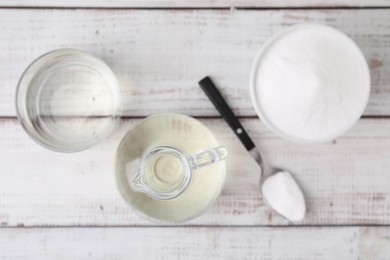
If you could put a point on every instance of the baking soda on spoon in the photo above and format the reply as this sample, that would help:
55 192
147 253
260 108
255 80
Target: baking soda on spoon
284 196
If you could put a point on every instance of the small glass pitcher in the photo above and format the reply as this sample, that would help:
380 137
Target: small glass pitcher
165 172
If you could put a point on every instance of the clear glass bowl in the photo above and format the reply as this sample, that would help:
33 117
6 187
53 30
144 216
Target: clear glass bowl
184 133
68 100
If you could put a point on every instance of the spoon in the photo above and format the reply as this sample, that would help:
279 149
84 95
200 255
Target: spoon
278 186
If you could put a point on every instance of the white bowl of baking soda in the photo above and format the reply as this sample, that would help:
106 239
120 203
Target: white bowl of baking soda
310 83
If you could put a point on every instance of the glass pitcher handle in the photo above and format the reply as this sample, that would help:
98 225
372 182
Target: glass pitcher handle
208 157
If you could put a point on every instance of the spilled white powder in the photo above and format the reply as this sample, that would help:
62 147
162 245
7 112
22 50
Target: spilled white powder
284 196
312 84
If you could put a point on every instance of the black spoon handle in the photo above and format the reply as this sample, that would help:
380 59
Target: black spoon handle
219 102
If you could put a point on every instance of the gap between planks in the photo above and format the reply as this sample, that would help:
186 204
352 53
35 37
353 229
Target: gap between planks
213 117
197 3
173 8
189 226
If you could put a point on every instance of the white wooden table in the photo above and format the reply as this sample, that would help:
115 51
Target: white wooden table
66 206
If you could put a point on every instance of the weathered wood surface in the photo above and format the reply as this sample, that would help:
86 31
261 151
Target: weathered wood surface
196 243
345 181
160 55
194 3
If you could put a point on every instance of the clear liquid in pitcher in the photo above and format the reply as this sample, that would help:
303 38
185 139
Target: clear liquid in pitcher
164 173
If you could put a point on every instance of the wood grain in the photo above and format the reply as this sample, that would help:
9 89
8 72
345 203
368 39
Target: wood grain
196 243
345 181
160 55
195 3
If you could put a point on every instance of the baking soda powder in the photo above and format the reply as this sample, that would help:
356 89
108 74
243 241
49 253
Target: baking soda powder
311 83
284 195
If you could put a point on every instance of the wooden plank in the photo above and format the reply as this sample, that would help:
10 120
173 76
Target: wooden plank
196 243
194 3
159 56
345 181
